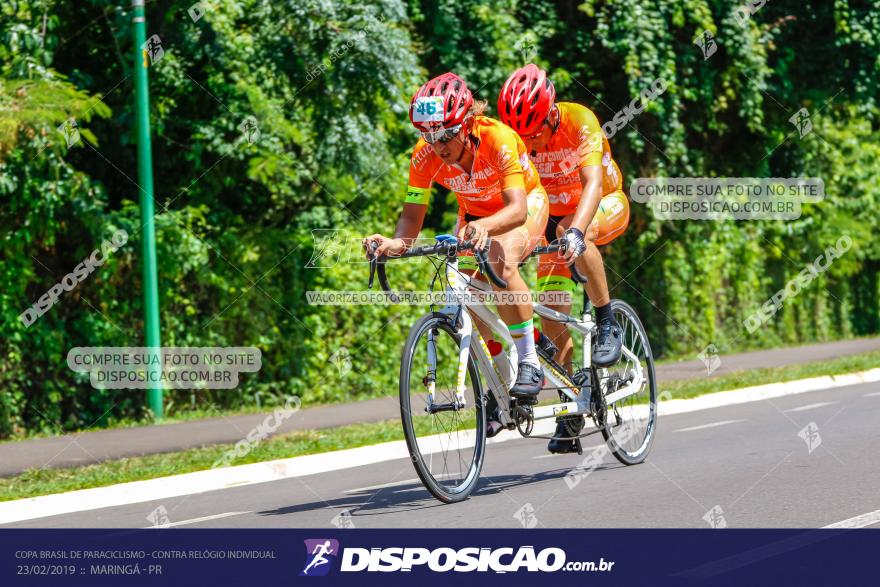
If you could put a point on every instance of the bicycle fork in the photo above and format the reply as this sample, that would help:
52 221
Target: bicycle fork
430 380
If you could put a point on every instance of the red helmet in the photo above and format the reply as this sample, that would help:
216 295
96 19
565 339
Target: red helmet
526 99
442 102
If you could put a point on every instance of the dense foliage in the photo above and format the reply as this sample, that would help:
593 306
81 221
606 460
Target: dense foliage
328 83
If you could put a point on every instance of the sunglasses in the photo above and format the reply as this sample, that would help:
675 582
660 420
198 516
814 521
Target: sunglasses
444 135
537 134
543 124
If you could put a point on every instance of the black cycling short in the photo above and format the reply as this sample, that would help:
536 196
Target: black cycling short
552 223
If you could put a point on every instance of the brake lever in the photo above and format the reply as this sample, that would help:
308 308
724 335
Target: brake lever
374 260
575 274
563 246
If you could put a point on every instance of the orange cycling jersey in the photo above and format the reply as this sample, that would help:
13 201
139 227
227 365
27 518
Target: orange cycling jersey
500 162
578 142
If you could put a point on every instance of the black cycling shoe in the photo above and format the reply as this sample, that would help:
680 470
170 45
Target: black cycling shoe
608 345
567 426
493 425
529 381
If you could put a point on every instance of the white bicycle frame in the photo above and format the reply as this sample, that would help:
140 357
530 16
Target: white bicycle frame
492 368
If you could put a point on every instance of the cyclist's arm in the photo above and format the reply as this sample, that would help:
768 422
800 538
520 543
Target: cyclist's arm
513 186
410 223
418 194
590 168
591 195
514 213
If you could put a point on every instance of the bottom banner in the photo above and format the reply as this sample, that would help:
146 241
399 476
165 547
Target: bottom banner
397 557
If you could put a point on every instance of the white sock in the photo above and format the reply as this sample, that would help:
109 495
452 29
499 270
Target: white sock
524 338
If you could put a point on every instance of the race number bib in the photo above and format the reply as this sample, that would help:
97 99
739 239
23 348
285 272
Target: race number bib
428 109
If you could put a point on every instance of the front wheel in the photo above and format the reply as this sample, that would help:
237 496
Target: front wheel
630 424
447 447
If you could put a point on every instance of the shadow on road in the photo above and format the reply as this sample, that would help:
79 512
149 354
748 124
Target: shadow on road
497 483
399 498
412 496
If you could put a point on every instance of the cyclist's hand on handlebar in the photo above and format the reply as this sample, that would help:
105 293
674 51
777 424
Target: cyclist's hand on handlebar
474 232
391 247
575 244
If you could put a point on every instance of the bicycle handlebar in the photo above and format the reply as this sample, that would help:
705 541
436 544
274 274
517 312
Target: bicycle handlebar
451 248
557 247
448 248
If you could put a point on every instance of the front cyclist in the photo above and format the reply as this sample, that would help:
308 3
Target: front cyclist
587 204
499 194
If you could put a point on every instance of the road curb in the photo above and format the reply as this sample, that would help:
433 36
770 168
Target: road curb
767 391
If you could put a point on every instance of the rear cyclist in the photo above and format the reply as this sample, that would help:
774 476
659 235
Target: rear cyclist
499 194
587 205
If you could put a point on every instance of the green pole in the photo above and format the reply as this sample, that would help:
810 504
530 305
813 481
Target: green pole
145 178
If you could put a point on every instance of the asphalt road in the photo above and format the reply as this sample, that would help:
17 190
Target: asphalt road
71 450
747 459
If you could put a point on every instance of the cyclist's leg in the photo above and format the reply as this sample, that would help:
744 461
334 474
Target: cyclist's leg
467 264
554 282
610 221
590 265
509 249
506 252
554 291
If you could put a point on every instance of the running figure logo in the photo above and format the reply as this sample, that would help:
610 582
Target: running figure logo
317 553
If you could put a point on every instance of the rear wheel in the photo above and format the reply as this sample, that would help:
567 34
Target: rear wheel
447 447
630 424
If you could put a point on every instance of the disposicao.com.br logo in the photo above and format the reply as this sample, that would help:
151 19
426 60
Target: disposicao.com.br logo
440 560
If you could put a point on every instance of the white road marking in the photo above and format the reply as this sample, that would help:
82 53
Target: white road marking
874 394
196 520
214 479
385 485
859 521
811 407
769 391
711 425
